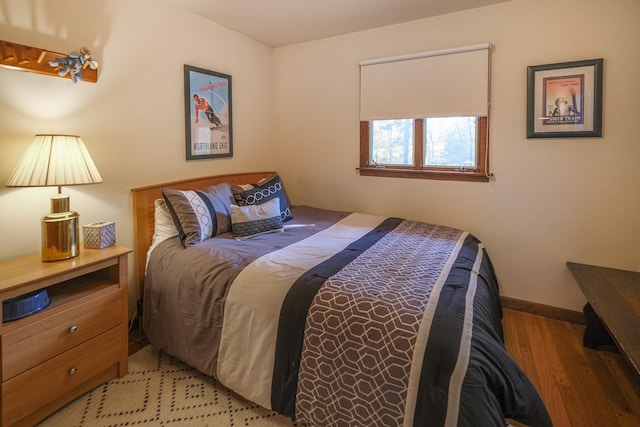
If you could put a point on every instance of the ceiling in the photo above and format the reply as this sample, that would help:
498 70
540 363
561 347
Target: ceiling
283 22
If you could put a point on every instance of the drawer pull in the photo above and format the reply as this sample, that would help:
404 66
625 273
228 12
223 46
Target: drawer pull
73 329
72 371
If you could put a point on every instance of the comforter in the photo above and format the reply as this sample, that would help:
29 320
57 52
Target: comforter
344 319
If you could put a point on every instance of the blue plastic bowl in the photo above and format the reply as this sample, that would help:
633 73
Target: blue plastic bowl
25 305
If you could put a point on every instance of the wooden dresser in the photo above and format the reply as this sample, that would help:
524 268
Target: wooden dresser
78 342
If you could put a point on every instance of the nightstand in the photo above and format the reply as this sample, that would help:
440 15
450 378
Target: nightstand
78 342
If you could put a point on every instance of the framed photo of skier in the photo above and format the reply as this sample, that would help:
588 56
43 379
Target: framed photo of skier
565 100
208 124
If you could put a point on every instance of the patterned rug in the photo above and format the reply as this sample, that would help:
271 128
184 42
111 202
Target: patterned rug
162 391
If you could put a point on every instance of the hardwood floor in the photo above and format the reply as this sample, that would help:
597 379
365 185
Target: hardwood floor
580 387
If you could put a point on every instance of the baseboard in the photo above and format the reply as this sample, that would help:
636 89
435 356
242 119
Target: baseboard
543 310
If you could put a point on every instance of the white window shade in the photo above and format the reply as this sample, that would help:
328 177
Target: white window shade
450 82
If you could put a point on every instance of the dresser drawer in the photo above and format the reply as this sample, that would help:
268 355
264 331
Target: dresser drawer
47 381
39 341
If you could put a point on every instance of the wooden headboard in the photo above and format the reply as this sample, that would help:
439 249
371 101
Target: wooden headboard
144 209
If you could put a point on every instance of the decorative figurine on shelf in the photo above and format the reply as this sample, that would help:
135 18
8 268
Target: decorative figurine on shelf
74 63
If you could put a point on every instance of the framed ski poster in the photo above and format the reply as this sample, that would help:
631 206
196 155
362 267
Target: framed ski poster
565 100
208 124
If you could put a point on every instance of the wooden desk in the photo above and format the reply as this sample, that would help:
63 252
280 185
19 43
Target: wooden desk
615 297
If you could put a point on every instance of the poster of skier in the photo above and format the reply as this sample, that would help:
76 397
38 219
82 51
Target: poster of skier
207 114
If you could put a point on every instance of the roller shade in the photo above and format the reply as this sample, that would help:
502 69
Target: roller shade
449 82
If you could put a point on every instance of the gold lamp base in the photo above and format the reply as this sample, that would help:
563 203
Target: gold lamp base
60 231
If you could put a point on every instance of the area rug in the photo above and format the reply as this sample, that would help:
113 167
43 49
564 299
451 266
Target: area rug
162 391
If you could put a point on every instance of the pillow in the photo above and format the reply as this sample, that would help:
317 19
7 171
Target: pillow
199 215
253 220
263 191
164 228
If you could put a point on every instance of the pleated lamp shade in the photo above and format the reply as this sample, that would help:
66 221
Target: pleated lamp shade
57 160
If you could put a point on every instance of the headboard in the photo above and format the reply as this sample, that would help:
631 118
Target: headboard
144 209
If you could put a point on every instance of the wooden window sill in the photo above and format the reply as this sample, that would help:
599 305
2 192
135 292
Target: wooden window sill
473 176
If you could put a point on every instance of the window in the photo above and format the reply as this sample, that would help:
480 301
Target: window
450 142
453 148
426 115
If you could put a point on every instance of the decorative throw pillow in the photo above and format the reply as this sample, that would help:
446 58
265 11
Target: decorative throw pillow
253 220
199 215
263 191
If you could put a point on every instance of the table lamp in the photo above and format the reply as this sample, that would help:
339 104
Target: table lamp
57 160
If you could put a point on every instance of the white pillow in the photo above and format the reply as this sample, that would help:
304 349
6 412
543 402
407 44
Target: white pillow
164 227
254 220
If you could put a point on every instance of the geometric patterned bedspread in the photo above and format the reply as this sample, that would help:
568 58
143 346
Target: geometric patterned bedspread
352 320
366 324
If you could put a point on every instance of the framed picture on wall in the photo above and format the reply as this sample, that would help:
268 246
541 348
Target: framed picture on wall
565 100
208 124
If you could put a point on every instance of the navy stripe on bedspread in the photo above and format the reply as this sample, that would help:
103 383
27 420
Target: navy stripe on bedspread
293 317
443 344
494 387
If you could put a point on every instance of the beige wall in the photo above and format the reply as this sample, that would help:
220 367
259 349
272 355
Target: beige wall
552 200
295 109
132 120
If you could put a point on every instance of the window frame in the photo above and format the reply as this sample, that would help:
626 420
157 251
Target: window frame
418 170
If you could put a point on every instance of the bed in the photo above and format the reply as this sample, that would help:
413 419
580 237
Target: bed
332 318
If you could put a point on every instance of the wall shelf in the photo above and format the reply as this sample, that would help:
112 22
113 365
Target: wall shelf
15 56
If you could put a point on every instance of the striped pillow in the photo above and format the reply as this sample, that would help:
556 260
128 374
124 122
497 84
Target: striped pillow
263 191
199 215
254 220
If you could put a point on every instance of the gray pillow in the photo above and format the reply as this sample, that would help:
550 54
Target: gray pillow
201 214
